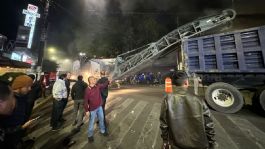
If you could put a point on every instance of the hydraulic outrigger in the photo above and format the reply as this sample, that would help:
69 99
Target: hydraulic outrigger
132 60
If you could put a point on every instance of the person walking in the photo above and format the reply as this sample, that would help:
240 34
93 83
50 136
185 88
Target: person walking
77 94
93 106
59 93
185 120
104 93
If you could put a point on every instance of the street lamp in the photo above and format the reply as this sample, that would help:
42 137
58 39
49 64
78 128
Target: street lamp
51 50
53 58
82 54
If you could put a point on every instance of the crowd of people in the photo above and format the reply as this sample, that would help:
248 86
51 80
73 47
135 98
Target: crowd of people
89 99
185 120
144 78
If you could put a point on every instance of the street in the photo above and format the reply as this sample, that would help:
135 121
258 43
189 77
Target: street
133 122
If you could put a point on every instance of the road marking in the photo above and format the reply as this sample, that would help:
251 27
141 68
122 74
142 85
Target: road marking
111 102
40 131
250 131
151 128
124 126
52 136
110 117
113 114
222 137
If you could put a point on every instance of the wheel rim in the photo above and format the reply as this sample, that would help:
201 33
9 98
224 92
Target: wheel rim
223 97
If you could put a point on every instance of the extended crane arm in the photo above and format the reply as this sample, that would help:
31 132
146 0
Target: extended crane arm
132 60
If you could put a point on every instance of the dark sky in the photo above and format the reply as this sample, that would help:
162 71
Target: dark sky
73 20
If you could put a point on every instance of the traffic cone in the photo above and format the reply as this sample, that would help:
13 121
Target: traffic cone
168 85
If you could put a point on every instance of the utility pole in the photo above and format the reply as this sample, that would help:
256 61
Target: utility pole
43 39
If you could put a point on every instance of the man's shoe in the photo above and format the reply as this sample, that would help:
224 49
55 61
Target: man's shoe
105 133
91 139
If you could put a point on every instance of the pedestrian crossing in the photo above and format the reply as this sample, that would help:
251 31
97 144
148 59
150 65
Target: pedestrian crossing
133 123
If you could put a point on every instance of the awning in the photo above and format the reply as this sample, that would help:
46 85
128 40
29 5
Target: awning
12 63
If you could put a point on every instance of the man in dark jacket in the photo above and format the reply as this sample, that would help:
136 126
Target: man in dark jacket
7 99
16 123
185 120
104 92
77 94
7 105
33 95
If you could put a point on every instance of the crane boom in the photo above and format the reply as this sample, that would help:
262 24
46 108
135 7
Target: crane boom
132 60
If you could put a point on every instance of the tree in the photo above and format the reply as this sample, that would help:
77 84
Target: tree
49 66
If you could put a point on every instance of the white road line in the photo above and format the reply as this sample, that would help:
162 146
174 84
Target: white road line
44 141
40 131
112 101
223 137
250 131
111 117
151 128
125 126
119 109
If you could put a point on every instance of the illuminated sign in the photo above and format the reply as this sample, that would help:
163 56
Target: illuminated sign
15 56
30 20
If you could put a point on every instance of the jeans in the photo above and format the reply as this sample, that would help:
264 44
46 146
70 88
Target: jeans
93 114
57 111
78 112
104 100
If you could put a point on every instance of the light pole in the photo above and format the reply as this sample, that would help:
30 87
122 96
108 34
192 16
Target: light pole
43 40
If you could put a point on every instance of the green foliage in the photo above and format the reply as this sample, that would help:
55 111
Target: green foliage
113 35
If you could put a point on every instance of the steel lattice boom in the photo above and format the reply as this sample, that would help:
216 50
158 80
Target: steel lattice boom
131 61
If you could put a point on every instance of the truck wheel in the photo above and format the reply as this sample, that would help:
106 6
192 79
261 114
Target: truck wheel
262 99
224 97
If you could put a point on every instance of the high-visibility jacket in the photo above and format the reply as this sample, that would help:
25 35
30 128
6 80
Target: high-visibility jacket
168 85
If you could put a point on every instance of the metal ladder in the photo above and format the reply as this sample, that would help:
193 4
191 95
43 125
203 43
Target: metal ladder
131 61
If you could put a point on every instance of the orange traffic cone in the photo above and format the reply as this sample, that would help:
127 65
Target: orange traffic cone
168 85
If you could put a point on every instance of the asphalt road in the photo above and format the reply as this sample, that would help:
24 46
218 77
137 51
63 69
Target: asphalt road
133 122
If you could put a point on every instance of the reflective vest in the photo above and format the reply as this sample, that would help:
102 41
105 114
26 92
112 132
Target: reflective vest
168 85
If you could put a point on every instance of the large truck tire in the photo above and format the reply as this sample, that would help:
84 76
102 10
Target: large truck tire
224 97
258 101
262 99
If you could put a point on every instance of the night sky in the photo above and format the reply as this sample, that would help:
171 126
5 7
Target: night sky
72 21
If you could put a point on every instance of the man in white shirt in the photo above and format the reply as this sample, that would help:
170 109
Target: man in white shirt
59 92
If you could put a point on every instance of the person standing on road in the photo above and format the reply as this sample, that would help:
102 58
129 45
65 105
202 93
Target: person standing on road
59 93
7 99
159 78
93 106
15 124
33 95
196 82
7 105
65 100
77 94
185 120
104 93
